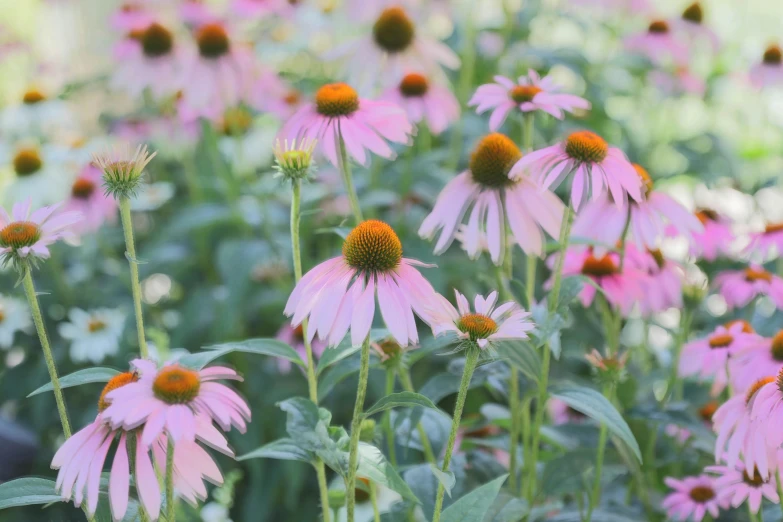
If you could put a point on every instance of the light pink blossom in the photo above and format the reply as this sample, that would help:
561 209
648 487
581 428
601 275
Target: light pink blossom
768 242
294 338
27 233
740 287
769 72
148 59
735 486
716 238
425 101
760 358
88 199
692 497
659 44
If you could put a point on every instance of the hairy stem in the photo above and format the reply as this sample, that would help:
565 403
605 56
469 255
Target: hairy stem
407 385
171 505
387 424
356 421
345 170
603 435
130 252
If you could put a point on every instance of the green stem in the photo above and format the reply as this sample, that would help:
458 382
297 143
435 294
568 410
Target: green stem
171 505
622 237
374 499
527 131
599 461
35 309
543 382
425 138
530 281
751 515
407 385
130 252
514 432
471 360
525 407
336 513
387 424
680 339
312 382
345 170
356 421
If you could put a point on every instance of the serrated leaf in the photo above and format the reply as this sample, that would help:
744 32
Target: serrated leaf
446 478
596 406
400 400
28 491
271 347
522 356
86 376
281 449
474 506
374 466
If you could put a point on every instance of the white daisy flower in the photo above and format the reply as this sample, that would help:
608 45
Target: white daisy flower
247 142
36 115
14 317
36 172
94 334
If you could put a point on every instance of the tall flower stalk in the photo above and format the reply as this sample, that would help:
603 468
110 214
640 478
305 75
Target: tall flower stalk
295 164
345 171
356 421
130 250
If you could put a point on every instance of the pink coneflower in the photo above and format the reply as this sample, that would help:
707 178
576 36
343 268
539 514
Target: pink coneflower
475 433
339 294
678 82
692 24
530 93
716 238
708 357
664 281
257 9
735 486
770 71
483 326
363 124
130 16
27 235
169 400
596 166
692 497
766 413
767 242
604 222
272 94
89 200
148 59
658 44
622 288
762 357
81 459
424 100
294 337
394 47
496 196
219 75
740 287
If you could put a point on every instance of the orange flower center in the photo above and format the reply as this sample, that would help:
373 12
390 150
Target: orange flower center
693 13
477 326
492 159
721 340
32 97
771 228
96 325
299 332
414 85
773 55
647 182
393 30
372 246
708 410
82 188
756 386
658 256
659 27
752 275
212 41
237 121
20 234
176 385
156 41
586 147
118 381
27 162
336 99
2 316
756 480
523 93
746 327
777 346
390 347
293 97
599 267
704 215
702 494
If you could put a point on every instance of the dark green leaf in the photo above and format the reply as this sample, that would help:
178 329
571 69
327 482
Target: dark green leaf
88 375
474 506
446 478
271 347
281 449
400 400
522 356
28 491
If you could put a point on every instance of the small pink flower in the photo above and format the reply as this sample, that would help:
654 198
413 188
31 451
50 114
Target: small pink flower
596 167
258 9
272 94
717 237
89 200
339 294
25 234
294 338
363 124
663 282
740 287
769 72
691 23
622 288
170 399
148 59
131 15
659 44
562 413
768 242
485 324
708 357
473 435
678 82
766 415
735 486
531 93
424 100
496 198
760 358
692 497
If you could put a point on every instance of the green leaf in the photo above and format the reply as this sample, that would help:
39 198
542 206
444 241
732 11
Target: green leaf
446 478
507 509
400 400
281 449
345 349
596 406
474 506
28 491
271 347
85 376
521 356
374 466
